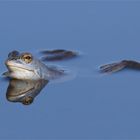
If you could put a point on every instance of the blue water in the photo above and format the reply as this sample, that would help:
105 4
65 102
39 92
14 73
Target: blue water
91 105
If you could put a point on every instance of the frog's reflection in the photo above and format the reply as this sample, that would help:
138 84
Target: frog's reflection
24 91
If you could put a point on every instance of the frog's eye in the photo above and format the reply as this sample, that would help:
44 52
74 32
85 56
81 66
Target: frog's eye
27 58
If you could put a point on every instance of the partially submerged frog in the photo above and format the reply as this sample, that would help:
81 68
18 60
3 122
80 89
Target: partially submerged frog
26 66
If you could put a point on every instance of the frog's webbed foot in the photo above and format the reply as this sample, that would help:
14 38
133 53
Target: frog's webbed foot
6 74
114 67
58 54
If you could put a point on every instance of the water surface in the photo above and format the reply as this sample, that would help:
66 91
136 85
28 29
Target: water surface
90 105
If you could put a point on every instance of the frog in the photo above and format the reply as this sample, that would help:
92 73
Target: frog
25 66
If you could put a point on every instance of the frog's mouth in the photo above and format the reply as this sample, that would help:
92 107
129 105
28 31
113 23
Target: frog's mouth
12 66
18 68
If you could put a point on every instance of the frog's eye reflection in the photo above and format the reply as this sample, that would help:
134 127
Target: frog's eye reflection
27 100
27 58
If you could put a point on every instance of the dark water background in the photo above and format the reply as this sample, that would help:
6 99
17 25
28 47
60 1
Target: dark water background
91 105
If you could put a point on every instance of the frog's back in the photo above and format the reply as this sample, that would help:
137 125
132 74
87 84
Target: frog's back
51 72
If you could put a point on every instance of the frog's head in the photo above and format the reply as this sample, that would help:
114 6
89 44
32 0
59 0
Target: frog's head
22 66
